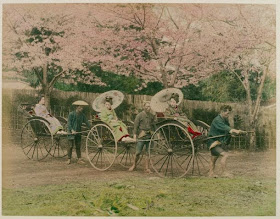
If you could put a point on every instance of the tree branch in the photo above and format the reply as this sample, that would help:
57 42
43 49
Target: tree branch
124 18
145 72
159 17
178 66
55 78
172 20
259 96
38 76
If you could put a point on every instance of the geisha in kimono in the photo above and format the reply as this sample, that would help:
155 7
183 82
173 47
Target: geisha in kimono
41 110
109 116
173 111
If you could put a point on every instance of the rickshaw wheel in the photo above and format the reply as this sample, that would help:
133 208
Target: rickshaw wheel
126 154
101 147
60 142
171 150
36 139
60 145
201 161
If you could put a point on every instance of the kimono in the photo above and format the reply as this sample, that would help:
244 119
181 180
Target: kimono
41 110
181 117
74 122
219 126
118 127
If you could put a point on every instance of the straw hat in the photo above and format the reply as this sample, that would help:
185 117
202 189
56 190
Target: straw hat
113 95
159 100
80 103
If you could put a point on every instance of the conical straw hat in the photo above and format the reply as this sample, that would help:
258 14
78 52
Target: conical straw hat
80 103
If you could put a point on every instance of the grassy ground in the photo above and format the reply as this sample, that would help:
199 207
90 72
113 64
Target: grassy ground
146 197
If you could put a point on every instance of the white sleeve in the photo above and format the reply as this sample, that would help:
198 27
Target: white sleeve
41 110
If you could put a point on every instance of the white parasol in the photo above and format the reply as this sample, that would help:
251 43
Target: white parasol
159 100
117 98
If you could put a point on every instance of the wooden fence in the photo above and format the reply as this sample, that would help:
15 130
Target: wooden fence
13 119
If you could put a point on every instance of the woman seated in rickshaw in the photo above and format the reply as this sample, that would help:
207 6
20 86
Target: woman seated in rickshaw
108 115
175 112
41 110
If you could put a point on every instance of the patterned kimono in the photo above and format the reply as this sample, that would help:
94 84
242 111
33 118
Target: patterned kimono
41 110
176 112
118 127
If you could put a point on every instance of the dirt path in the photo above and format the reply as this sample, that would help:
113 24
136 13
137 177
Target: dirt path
18 171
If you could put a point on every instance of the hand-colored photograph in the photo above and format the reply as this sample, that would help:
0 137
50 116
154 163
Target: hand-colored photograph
139 109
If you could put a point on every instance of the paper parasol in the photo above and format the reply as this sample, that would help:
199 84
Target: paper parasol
159 100
80 103
117 98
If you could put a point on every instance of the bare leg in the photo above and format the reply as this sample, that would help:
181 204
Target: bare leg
137 156
212 166
147 169
223 163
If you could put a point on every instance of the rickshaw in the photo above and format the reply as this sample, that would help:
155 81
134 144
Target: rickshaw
102 147
37 141
173 151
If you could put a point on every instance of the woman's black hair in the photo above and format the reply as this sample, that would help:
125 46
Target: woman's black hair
109 100
175 96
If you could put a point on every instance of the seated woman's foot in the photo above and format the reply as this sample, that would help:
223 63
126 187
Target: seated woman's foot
68 161
128 139
131 168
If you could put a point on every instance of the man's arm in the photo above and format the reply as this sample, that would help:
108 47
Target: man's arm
220 125
70 122
136 125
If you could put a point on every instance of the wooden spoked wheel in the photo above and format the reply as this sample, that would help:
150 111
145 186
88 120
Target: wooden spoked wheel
171 150
201 160
60 142
126 154
36 139
60 146
101 147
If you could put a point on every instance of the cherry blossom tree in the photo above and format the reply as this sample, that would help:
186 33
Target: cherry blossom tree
41 39
182 43
176 44
247 39
156 42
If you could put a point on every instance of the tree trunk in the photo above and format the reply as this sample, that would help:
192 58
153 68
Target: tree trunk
45 86
252 138
163 76
252 122
255 112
